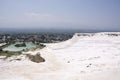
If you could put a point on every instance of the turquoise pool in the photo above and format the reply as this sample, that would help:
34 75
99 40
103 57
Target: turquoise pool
12 47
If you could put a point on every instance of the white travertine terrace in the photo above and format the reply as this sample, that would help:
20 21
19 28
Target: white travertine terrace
93 56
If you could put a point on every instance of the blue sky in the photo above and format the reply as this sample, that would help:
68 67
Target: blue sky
60 14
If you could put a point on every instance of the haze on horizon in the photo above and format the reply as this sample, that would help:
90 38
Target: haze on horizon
97 15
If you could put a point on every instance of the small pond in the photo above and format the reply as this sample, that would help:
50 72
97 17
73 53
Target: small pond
12 47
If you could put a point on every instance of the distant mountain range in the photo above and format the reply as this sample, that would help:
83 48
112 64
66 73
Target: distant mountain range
51 30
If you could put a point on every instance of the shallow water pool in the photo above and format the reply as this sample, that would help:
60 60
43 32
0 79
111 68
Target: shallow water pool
12 47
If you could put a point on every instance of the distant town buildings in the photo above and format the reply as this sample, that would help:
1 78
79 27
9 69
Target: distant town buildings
34 37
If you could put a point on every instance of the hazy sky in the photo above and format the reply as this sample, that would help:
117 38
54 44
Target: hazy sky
60 14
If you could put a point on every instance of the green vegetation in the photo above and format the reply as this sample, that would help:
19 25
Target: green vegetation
9 53
1 50
39 45
20 45
36 58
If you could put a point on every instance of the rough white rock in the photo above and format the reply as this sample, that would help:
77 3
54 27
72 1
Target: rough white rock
94 57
